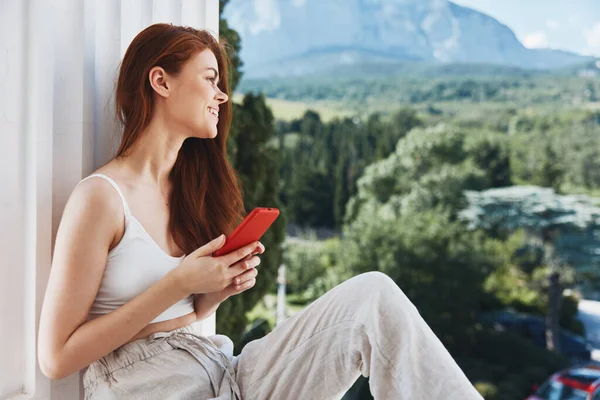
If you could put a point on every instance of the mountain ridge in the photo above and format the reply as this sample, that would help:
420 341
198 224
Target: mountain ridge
296 37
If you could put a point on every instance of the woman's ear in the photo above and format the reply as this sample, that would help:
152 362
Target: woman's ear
158 81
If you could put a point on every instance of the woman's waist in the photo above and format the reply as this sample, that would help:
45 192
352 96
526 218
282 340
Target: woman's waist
164 326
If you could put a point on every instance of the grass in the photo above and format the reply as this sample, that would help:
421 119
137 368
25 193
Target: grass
287 110
267 309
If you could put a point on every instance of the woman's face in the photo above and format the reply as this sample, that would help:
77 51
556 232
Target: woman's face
192 107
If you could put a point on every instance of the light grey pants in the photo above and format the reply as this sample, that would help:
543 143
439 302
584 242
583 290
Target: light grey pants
364 325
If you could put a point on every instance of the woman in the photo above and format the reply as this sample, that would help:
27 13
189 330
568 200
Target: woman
132 266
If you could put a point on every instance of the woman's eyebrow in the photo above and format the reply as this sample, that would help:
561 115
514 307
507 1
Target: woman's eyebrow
216 72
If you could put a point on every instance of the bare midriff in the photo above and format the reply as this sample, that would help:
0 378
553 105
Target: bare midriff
165 326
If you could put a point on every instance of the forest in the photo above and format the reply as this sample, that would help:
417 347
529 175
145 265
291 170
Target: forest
381 172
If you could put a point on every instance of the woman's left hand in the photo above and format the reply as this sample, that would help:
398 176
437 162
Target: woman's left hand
242 282
246 279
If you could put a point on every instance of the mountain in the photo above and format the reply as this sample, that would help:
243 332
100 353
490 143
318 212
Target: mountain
294 37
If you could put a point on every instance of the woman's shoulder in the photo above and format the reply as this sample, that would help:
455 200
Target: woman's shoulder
96 195
93 214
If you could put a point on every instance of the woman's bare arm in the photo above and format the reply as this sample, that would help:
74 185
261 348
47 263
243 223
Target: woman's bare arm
91 221
205 305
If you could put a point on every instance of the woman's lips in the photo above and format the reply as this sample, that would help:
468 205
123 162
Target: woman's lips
211 113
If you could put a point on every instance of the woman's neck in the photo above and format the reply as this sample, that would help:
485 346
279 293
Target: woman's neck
154 154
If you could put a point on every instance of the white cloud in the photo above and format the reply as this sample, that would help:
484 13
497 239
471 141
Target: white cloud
298 3
592 37
267 16
552 24
535 40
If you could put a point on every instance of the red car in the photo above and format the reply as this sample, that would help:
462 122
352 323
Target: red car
575 383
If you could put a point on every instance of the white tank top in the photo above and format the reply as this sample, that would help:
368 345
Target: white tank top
133 265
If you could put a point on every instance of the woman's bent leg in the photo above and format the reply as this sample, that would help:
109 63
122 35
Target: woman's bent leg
364 325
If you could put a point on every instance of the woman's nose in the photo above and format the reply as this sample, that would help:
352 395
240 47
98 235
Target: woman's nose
221 96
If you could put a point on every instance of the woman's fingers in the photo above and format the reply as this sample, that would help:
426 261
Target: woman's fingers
245 277
244 265
245 286
239 254
259 250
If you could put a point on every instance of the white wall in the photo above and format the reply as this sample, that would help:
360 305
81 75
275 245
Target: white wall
58 62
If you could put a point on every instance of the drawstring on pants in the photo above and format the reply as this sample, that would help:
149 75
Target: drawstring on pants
186 341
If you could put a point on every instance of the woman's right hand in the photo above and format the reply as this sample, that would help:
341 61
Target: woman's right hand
200 272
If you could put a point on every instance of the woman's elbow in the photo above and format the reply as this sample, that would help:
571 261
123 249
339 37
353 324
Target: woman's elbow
50 366
50 371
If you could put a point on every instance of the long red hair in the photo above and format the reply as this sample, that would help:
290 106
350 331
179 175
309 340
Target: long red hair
206 198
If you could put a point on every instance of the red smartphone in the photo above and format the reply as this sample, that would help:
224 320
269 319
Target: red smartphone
249 230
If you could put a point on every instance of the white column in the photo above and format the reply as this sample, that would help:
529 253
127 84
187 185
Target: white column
58 65
281 314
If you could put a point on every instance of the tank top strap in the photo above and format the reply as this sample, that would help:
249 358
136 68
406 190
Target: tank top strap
114 185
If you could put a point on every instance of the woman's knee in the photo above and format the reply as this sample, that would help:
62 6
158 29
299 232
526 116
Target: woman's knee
377 279
380 291
380 284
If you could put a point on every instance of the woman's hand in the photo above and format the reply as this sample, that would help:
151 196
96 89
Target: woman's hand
206 304
246 279
199 272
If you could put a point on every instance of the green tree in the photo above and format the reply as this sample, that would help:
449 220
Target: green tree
342 189
543 217
490 152
437 263
551 172
403 221
310 197
321 169
429 168
258 167
310 123
234 46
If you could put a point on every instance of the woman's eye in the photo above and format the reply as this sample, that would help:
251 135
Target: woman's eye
212 79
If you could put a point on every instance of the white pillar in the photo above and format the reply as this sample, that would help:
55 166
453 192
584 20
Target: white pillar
281 314
58 65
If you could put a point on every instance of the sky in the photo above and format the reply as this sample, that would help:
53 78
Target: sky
572 25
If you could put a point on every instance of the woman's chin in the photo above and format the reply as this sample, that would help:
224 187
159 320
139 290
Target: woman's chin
206 134
213 134
210 132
